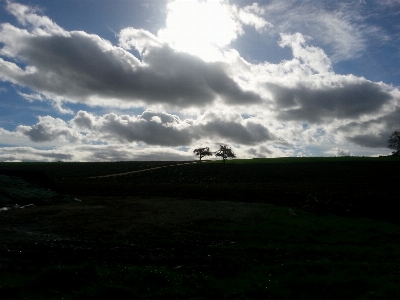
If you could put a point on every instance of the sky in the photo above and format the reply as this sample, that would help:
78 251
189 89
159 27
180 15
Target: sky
118 80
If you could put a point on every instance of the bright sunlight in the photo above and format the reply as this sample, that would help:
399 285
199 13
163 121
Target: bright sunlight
199 27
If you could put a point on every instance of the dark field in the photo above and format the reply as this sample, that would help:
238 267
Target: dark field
366 185
207 230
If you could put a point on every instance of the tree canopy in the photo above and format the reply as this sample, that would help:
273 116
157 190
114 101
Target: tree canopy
225 152
201 152
394 142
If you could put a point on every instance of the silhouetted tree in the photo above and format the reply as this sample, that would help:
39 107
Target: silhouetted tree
201 152
225 152
394 142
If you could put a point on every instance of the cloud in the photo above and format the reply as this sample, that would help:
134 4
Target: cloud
260 151
341 26
119 153
169 132
83 153
306 89
232 127
338 152
263 109
351 100
32 154
390 4
48 129
56 102
370 140
79 67
251 16
11 138
139 39
264 151
152 128
313 57
372 133
27 15
84 120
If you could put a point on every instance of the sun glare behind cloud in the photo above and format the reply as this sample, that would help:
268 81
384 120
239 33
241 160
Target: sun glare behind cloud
199 28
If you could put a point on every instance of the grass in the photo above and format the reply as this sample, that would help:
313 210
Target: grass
305 159
284 256
84 169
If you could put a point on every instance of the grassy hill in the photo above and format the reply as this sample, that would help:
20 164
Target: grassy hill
285 228
355 184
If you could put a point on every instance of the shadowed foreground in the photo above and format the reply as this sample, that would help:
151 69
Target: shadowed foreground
180 247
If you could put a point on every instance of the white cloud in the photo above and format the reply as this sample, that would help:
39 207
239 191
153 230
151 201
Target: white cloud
340 26
313 57
338 152
27 15
392 4
138 39
56 102
49 129
251 15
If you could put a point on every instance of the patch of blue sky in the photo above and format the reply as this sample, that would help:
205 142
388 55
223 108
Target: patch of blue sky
8 145
16 110
184 149
312 151
106 19
376 65
305 126
256 48
246 116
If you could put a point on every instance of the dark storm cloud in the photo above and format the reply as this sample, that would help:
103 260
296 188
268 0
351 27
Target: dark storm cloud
373 133
166 156
370 140
82 67
107 153
260 151
247 134
315 105
152 128
156 128
39 133
56 156
196 80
